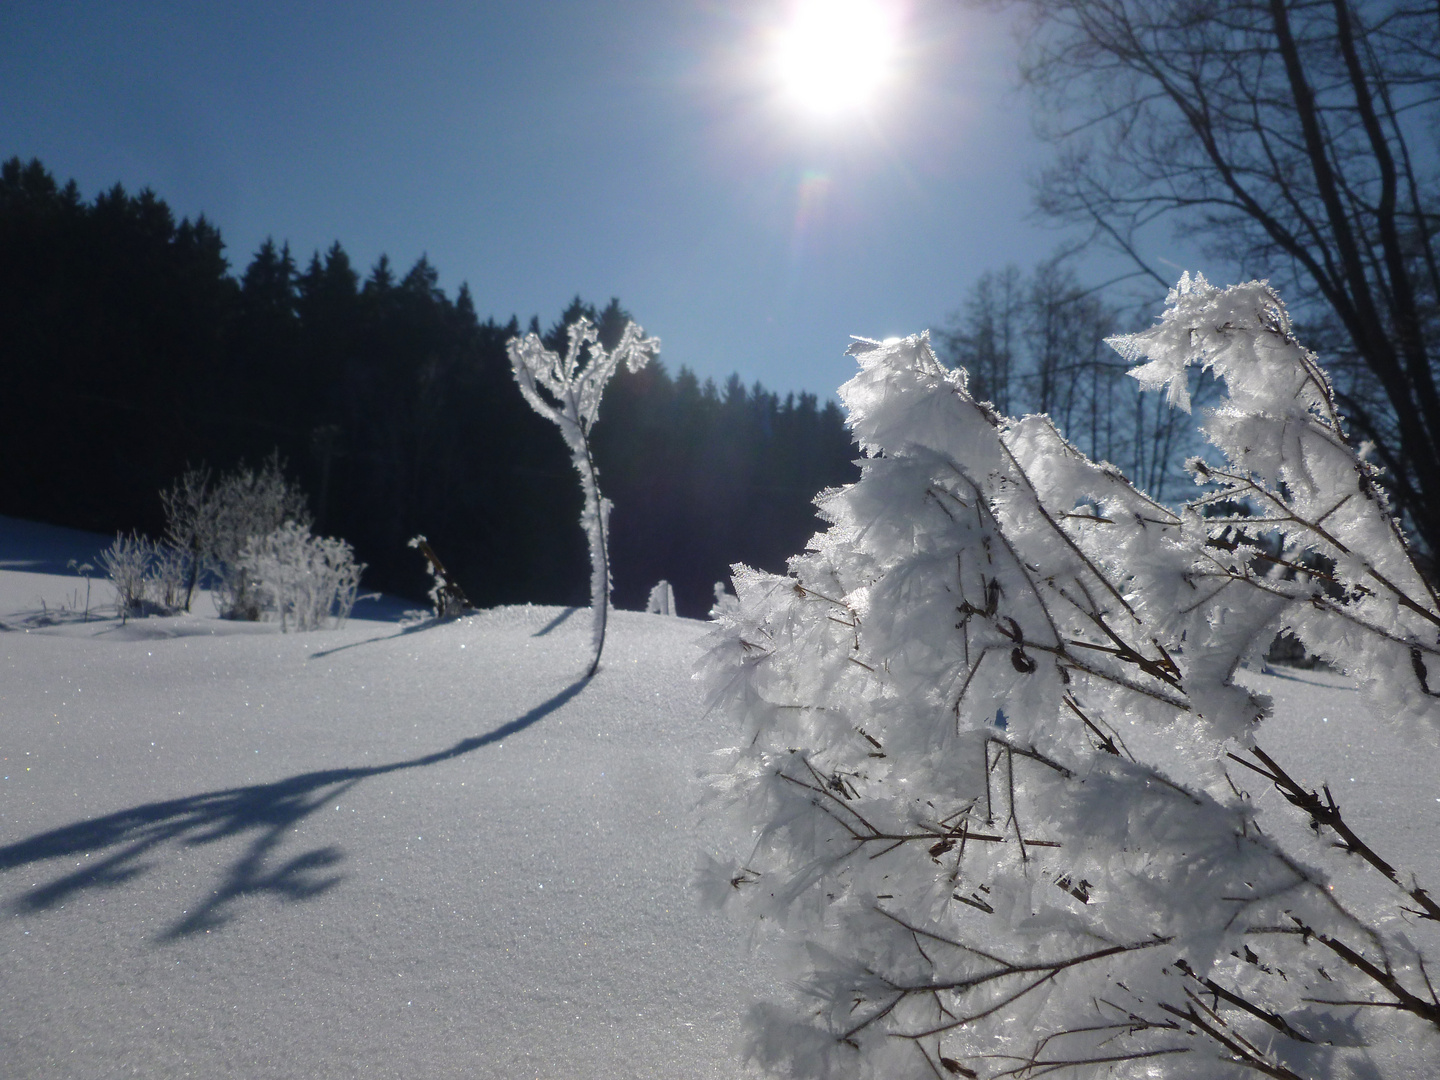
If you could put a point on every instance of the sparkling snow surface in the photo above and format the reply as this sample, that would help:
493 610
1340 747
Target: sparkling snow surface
436 853
354 853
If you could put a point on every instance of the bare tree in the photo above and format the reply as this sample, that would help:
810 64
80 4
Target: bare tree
984 335
1293 137
1035 343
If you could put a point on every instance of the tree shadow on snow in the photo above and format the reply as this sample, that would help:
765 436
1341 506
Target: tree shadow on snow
429 624
553 623
1280 671
119 847
409 628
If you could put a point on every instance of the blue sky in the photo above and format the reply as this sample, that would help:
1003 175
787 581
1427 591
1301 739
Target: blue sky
539 150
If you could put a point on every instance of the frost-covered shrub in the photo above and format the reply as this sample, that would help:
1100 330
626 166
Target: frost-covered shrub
249 530
126 563
169 576
148 577
567 390
187 514
989 789
212 521
300 579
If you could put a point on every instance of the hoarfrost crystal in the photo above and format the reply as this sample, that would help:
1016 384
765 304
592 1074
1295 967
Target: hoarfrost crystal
988 785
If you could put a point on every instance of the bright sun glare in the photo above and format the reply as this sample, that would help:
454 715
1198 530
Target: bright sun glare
833 57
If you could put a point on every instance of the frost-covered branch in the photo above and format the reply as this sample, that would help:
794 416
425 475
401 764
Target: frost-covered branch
932 791
1326 814
567 390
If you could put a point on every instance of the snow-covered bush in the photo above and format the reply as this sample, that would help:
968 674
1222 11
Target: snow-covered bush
300 579
250 530
169 576
149 577
187 504
991 785
567 390
128 563
661 600
213 521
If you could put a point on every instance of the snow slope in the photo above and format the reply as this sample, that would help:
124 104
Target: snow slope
367 852
381 852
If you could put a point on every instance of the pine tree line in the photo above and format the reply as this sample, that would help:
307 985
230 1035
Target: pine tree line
129 351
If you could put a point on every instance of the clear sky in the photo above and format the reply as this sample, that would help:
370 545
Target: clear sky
644 149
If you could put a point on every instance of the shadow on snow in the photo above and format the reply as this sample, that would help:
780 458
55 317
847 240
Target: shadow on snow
271 810
424 624
412 628
553 623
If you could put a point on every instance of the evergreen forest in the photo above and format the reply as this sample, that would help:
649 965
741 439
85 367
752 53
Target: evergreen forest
129 351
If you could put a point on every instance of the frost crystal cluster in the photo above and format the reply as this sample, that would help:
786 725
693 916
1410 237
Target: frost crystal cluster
991 785
566 390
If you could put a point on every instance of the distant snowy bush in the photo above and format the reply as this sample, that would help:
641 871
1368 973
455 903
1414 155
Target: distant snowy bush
991 785
301 580
567 390
169 574
249 530
187 504
212 521
130 563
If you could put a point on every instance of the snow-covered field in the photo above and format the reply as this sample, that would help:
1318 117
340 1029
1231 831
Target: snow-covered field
380 852
355 853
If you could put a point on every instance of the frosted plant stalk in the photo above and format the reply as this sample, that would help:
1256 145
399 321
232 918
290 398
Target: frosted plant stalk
567 390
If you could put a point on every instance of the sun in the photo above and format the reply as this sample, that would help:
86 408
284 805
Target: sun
832 58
